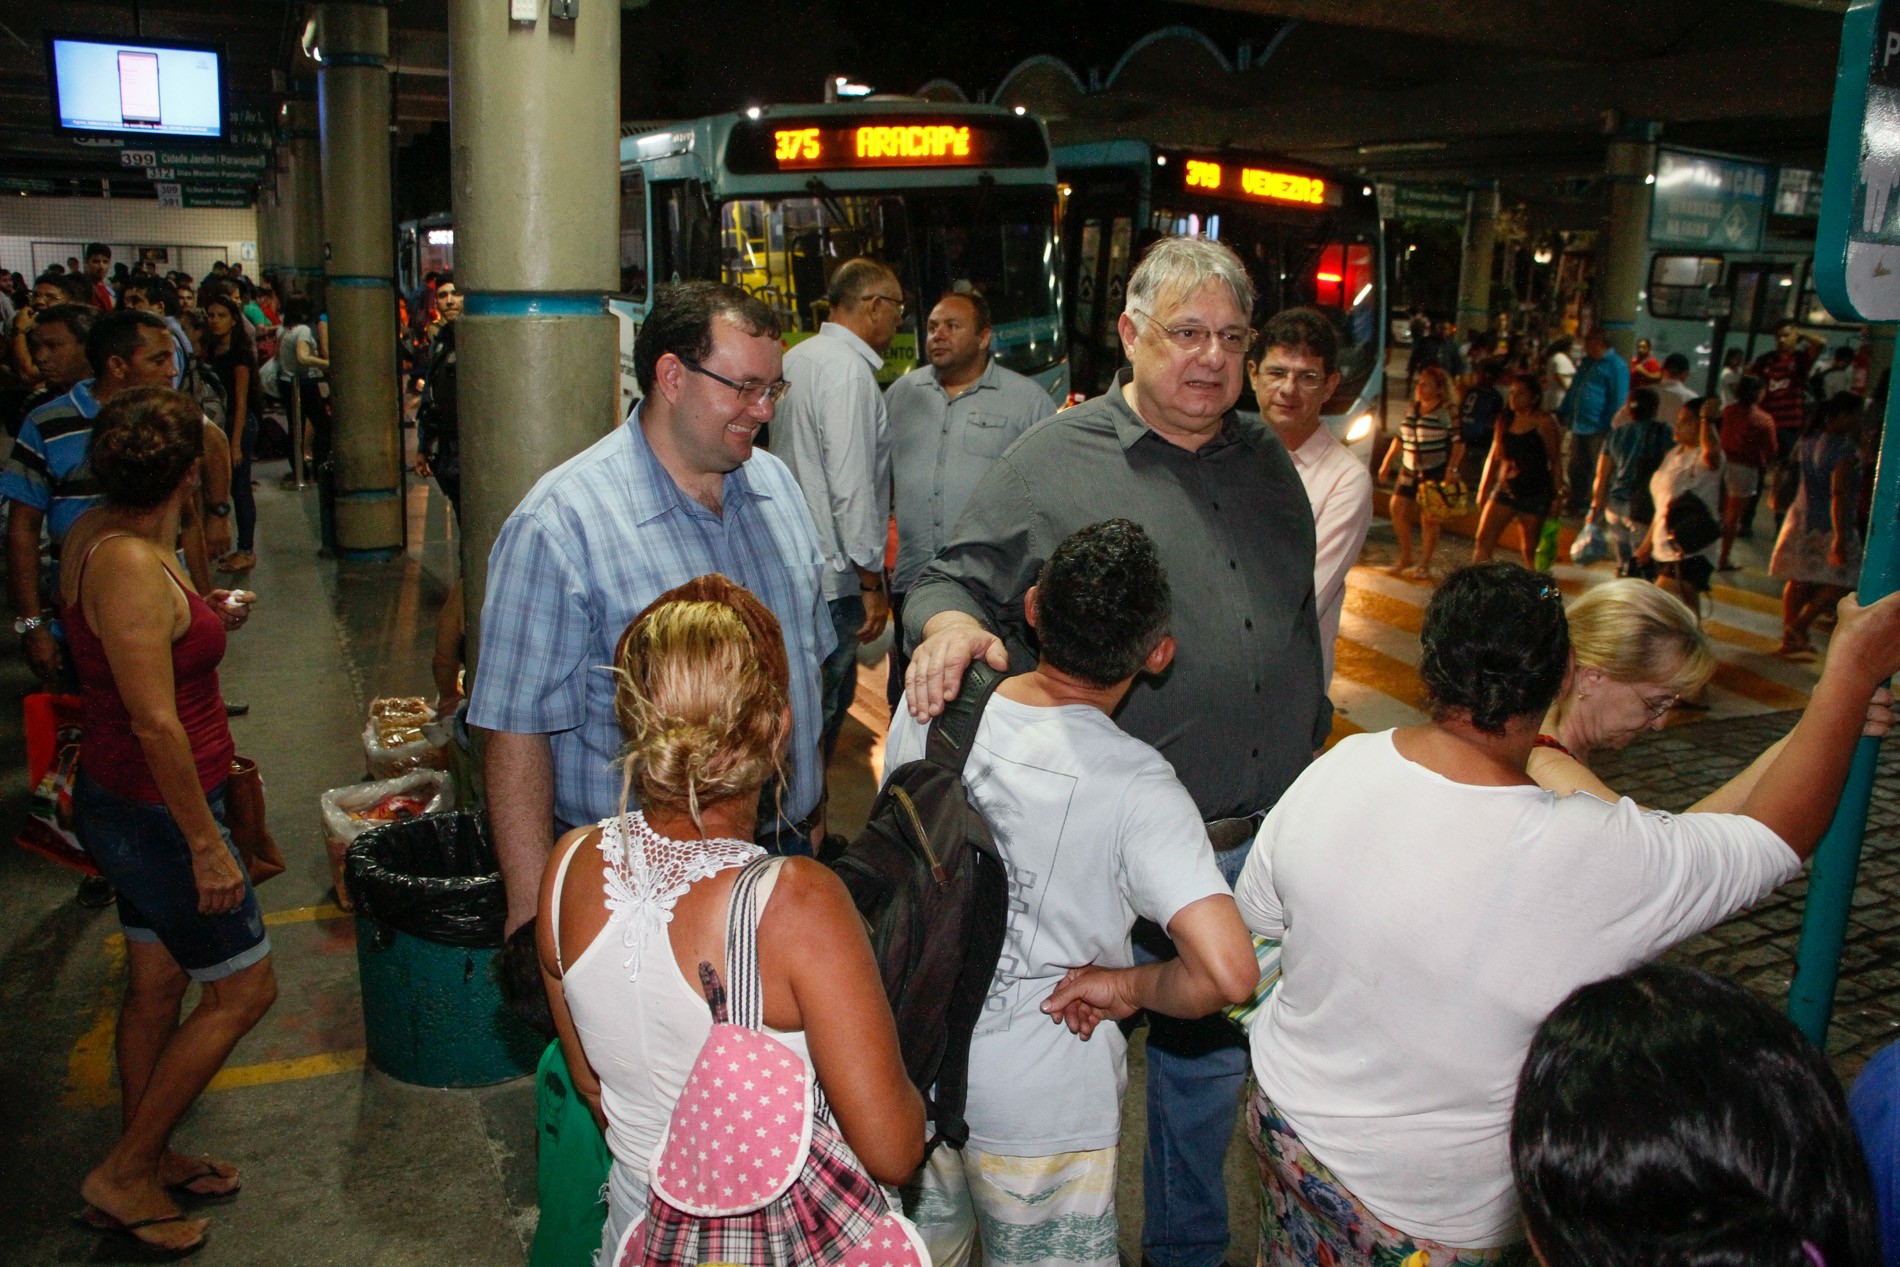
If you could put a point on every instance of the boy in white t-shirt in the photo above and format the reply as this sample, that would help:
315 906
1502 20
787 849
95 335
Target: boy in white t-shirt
1096 832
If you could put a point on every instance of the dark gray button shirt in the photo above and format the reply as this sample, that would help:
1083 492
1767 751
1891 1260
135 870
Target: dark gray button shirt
940 448
1244 706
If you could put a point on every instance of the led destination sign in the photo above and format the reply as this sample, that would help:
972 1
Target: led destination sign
789 145
1265 184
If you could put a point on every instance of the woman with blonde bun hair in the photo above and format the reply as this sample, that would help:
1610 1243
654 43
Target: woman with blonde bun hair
633 908
1638 651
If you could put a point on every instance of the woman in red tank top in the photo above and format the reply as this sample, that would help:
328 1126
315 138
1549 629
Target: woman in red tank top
149 808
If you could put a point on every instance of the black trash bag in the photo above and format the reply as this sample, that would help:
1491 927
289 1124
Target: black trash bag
433 877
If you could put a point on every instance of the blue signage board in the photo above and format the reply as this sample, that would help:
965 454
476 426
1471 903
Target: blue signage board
1706 202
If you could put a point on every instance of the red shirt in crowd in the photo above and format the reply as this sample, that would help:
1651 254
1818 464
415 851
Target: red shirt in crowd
1748 435
1784 377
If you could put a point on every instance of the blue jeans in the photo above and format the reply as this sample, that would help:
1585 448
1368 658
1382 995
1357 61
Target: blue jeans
840 680
1195 1073
138 847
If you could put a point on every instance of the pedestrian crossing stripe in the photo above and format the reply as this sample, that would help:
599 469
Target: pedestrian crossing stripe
1376 684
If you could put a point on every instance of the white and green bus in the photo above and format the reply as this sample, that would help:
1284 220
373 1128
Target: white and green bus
774 198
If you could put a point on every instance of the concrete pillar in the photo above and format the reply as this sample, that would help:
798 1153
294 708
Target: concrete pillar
299 258
534 119
1474 282
360 260
1630 166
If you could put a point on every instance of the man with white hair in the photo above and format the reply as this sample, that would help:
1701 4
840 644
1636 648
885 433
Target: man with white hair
1243 708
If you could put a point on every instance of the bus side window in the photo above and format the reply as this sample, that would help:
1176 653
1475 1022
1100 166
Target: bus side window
633 233
685 239
1679 285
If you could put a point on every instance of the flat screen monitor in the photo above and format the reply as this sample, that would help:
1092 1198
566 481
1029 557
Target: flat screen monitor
157 88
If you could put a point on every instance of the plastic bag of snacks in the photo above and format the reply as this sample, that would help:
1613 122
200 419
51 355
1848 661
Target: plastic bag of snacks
350 811
401 735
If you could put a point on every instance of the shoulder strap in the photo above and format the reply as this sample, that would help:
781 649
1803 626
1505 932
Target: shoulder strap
744 993
560 882
79 585
953 733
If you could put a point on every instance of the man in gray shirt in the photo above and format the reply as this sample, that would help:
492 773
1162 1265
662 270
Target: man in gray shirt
1243 708
950 418
833 434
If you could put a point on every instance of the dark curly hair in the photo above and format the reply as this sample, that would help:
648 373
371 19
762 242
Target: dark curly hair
1305 330
1102 602
1496 645
143 445
1669 1118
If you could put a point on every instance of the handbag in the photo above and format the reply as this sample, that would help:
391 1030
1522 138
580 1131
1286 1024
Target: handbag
51 723
1691 524
244 818
789 1192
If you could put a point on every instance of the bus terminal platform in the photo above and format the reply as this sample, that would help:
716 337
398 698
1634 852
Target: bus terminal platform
345 1165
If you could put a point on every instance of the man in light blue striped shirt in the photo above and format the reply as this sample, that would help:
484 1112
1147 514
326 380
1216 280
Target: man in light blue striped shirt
676 493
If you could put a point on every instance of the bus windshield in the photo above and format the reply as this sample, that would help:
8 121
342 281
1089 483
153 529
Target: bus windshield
998 242
1323 262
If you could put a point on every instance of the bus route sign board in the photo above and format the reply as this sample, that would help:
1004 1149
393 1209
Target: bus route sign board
1706 202
1857 248
1429 204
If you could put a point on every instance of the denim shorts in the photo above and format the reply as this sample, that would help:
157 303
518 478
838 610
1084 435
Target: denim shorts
139 849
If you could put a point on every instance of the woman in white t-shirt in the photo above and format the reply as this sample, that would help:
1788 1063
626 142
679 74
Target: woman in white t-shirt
1559 369
1692 468
1428 929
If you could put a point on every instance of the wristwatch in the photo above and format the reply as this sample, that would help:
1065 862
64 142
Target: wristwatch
218 509
27 624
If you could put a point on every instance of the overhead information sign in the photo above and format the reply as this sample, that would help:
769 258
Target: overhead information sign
1707 202
1237 178
1428 204
834 143
1857 250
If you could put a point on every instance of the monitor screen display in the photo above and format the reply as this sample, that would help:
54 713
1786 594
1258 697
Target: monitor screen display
148 88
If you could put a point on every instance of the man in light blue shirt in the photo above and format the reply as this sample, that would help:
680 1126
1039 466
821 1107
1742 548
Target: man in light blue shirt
833 433
950 419
1599 389
674 494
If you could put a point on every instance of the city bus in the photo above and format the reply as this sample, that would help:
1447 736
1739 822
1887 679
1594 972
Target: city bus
774 198
422 247
1728 262
1307 236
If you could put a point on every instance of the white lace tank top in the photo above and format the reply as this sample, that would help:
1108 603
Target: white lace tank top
640 1022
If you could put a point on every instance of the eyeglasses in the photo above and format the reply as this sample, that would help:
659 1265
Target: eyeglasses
895 303
1658 707
1275 376
751 393
1192 339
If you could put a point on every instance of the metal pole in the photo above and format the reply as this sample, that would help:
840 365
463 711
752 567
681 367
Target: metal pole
296 427
1817 961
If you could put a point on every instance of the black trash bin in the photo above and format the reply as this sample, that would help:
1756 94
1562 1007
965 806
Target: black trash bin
429 915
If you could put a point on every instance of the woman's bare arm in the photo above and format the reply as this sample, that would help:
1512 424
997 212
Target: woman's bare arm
580 1073
812 935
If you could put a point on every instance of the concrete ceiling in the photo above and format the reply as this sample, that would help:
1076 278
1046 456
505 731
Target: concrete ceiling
1521 90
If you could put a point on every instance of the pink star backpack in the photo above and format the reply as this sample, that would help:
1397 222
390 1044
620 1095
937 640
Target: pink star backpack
752 1170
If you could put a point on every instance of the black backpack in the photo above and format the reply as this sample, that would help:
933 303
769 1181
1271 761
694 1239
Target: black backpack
927 879
1691 524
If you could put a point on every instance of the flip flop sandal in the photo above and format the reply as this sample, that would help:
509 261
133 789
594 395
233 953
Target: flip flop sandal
139 1249
184 1191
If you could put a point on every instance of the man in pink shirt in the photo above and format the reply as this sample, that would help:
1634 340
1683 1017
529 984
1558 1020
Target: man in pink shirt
1294 367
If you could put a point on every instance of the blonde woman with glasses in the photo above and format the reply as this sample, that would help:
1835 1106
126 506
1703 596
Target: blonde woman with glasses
1639 650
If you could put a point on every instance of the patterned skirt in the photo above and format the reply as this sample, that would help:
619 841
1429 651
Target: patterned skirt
1309 1219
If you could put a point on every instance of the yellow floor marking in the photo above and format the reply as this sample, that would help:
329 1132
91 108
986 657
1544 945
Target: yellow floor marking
1342 726
1375 669
89 1064
1732 677
1747 639
1393 612
1747 598
305 914
269 1071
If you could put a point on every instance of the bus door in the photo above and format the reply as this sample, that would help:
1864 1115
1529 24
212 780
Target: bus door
1100 233
1764 296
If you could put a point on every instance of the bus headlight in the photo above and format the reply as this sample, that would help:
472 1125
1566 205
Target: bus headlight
1361 428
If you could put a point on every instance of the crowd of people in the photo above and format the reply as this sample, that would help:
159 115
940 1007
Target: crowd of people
670 625
1626 444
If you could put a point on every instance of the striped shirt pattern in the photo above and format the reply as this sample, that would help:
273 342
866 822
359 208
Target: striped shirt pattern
48 469
1425 440
595 541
